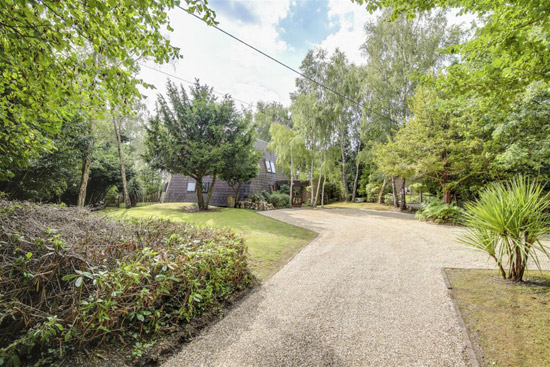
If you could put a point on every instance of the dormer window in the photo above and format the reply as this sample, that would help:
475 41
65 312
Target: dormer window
270 166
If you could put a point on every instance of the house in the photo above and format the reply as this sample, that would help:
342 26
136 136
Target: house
182 188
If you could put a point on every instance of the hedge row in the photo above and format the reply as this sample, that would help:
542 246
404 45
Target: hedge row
69 278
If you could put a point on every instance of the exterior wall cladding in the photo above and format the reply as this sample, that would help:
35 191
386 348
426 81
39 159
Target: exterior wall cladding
176 189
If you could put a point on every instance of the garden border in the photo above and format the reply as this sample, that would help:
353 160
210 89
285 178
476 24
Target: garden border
470 350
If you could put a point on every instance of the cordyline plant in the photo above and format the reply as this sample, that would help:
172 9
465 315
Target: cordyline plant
507 222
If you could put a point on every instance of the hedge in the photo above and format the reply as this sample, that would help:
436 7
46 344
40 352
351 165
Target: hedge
69 278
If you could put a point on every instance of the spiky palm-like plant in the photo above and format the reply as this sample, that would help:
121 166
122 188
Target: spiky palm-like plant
507 222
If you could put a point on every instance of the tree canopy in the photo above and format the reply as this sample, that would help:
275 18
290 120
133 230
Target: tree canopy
196 135
66 58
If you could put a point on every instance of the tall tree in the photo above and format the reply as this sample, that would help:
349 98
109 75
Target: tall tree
127 202
507 52
441 142
48 67
289 146
398 52
268 114
240 161
192 134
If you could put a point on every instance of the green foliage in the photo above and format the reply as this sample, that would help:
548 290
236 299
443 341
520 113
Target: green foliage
197 136
66 58
277 198
388 198
284 189
371 191
50 174
508 51
280 200
135 190
71 279
523 137
268 114
437 211
240 162
442 142
507 223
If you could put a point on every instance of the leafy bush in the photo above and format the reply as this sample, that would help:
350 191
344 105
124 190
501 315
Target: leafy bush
135 191
388 199
69 278
372 190
280 200
507 222
284 189
257 198
437 211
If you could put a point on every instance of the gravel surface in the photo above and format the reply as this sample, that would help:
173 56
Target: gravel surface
367 292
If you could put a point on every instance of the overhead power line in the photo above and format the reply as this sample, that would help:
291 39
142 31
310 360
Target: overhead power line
192 83
288 67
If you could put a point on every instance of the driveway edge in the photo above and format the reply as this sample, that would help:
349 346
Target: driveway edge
473 357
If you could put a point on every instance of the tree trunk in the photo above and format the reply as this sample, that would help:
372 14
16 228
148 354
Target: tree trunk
210 191
198 190
344 176
127 202
237 194
318 187
381 193
323 192
394 192
311 185
446 196
403 196
354 193
86 163
291 179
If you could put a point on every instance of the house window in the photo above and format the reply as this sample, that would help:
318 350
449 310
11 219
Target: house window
205 186
191 186
272 167
268 166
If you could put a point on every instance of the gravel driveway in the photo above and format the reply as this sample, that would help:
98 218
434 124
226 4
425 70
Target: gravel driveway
367 292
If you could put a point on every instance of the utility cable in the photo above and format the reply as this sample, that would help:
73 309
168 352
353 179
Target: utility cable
286 66
192 83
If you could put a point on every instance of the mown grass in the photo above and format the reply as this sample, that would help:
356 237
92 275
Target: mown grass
271 243
509 322
368 206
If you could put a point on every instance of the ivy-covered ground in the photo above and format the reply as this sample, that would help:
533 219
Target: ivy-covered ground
509 322
271 243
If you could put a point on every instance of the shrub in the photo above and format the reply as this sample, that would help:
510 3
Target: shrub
280 200
69 278
135 191
284 189
507 223
388 199
372 190
437 211
257 198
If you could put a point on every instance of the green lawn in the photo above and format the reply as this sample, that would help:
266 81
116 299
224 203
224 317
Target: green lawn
271 243
509 322
350 205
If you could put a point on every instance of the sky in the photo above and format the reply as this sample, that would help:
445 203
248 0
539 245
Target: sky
284 29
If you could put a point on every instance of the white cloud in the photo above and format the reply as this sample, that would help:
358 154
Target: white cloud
225 64
233 68
350 19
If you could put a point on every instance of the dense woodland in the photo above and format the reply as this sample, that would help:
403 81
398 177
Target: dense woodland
444 108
